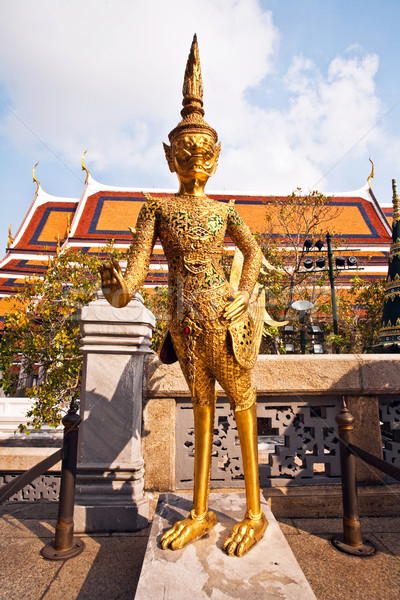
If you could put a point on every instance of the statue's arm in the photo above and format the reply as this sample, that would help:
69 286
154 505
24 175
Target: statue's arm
252 255
119 289
252 260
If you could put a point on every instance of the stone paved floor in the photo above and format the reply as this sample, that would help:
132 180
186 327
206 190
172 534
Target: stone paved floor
109 567
336 576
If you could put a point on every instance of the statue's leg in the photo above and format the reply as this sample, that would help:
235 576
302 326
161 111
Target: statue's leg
249 531
236 381
200 520
203 435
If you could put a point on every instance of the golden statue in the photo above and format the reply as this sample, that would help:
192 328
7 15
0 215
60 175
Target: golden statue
210 330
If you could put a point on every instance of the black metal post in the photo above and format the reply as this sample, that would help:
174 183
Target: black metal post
332 282
65 544
352 542
303 345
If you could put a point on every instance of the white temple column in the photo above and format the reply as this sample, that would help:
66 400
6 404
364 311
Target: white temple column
110 481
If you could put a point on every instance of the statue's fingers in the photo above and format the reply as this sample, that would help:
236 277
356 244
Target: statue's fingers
116 265
103 270
106 273
231 312
232 304
117 276
106 280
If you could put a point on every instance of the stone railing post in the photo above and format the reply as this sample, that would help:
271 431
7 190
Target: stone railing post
110 479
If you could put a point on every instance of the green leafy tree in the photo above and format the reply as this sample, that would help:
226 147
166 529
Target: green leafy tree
40 353
289 222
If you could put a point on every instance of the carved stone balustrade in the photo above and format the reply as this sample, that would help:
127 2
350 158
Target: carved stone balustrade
298 398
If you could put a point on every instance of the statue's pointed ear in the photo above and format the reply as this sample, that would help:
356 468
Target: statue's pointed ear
168 156
217 153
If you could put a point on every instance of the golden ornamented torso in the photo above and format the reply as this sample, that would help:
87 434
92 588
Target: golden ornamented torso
192 232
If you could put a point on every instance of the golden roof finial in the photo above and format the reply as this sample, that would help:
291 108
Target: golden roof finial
192 90
396 202
58 245
34 178
84 167
372 172
68 230
10 237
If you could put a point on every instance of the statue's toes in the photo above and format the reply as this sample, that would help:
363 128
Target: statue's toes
179 541
231 547
170 535
247 542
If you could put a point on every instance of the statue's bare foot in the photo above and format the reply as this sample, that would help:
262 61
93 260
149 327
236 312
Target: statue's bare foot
188 530
245 534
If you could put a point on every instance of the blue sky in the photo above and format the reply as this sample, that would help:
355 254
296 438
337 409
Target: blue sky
301 92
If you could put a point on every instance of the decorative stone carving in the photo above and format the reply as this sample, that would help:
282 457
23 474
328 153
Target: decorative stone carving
298 444
389 413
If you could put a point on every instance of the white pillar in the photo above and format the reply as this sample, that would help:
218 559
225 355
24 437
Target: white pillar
109 492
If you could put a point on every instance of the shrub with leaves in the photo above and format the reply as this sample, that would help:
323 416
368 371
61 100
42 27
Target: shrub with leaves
40 353
360 313
156 300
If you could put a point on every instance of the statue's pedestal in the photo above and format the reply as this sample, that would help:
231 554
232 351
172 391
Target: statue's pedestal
203 570
110 480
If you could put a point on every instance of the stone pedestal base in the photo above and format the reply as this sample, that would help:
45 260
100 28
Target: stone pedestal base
110 475
110 500
110 515
202 570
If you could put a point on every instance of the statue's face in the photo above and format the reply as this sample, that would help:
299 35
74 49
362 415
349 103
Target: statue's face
194 156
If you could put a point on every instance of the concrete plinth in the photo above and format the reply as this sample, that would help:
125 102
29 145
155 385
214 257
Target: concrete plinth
202 570
110 481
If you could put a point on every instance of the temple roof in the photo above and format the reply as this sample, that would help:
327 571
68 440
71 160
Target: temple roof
105 212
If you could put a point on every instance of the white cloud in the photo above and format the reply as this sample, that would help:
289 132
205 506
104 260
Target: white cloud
328 114
107 76
103 75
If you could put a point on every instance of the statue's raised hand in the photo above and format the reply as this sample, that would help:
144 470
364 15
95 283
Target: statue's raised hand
113 284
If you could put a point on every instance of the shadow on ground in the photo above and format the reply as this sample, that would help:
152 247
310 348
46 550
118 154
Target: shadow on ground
109 568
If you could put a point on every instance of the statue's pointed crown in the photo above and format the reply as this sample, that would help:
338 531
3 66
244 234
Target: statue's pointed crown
192 90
